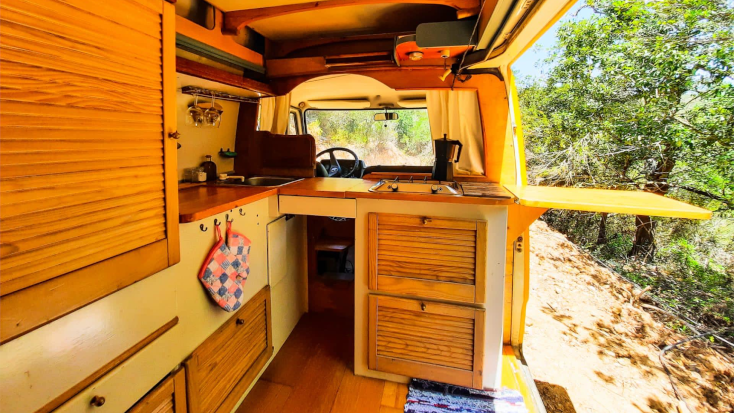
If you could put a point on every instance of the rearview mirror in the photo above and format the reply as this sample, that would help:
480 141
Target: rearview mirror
385 116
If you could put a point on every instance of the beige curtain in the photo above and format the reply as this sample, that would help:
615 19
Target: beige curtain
456 114
274 113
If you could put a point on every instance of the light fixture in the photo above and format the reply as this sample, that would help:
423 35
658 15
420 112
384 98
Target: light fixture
415 55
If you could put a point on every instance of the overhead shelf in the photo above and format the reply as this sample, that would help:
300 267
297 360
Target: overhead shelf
606 200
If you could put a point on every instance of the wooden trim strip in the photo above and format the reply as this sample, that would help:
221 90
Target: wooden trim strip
75 389
72 291
200 70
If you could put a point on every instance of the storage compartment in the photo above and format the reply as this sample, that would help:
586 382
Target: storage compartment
167 397
222 368
430 257
427 340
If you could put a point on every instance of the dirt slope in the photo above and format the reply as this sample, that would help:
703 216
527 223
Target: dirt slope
584 335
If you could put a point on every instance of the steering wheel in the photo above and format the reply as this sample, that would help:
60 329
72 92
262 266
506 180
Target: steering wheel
334 169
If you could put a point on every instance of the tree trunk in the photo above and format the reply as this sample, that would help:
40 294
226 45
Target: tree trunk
601 237
644 242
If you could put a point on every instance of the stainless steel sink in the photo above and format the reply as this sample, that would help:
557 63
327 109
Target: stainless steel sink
261 181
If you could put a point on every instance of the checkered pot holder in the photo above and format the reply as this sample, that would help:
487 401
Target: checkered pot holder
225 269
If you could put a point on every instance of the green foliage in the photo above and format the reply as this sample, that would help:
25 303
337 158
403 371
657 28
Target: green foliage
406 141
640 95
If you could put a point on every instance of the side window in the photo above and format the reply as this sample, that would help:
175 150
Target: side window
292 123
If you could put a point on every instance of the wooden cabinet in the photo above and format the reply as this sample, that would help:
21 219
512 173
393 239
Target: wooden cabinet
431 257
222 368
167 397
428 340
88 169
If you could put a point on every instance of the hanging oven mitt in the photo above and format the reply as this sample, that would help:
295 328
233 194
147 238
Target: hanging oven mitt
222 272
240 246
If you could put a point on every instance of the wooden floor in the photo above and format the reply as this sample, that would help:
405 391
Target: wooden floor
313 372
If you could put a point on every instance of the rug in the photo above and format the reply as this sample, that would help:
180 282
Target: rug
430 397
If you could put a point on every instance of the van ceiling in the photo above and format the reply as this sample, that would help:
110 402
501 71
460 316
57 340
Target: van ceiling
352 20
351 87
370 17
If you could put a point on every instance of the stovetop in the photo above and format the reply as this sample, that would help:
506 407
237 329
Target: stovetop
423 186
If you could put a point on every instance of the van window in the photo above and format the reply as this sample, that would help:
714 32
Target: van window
405 141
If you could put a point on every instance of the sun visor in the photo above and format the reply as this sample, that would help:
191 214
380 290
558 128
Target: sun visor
605 200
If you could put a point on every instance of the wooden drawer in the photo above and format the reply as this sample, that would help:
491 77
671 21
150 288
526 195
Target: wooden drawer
168 397
222 368
442 258
426 340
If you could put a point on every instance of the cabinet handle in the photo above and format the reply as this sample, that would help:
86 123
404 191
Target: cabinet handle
423 306
174 135
240 321
97 401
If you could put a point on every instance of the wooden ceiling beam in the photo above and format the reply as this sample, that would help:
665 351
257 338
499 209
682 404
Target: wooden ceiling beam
235 21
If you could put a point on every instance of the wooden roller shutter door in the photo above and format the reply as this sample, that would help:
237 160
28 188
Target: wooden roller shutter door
88 189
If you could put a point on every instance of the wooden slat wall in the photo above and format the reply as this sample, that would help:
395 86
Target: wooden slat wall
81 135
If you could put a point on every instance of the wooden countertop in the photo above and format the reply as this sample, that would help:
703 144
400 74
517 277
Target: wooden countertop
202 201
359 188
325 187
199 201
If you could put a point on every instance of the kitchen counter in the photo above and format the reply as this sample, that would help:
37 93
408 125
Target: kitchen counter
326 187
197 202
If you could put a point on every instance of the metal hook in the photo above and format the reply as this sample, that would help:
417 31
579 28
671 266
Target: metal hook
203 228
226 218
242 213
216 222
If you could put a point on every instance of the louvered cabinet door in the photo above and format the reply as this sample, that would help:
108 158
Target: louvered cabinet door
427 340
225 364
167 397
88 190
431 257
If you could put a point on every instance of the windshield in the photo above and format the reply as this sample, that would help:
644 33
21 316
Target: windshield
405 141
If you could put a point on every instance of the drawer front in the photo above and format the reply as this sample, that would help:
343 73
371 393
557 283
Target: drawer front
429 257
427 340
167 397
217 368
313 205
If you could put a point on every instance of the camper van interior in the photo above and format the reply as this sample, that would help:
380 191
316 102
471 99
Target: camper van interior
267 206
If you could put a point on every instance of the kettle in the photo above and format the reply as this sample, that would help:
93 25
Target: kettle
446 156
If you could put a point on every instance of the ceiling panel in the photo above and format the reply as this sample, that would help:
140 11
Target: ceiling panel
376 18
231 5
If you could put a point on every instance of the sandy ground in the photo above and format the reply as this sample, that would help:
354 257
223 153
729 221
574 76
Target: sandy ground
582 334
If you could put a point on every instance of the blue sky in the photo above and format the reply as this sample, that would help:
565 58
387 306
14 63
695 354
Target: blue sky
528 65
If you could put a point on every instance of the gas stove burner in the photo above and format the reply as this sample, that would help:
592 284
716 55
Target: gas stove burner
424 186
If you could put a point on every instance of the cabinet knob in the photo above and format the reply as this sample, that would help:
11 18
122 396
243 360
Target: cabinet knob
423 306
174 135
97 401
240 321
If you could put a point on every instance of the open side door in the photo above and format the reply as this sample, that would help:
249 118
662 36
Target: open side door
605 200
